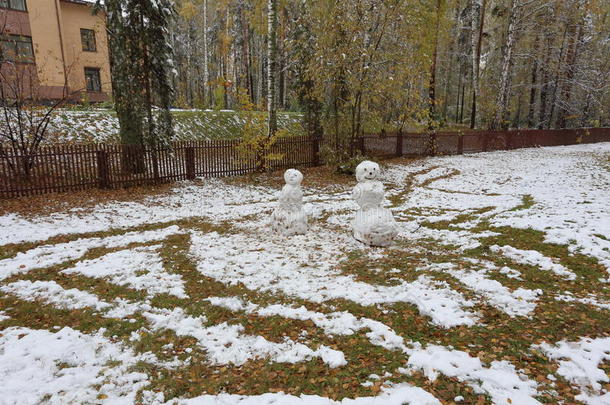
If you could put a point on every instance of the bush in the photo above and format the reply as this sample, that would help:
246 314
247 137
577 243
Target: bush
342 162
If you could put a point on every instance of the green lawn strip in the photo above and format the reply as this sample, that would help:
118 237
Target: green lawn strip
584 266
312 377
399 198
452 224
503 337
527 201
375 271
38 315
421 215
443 190
199 287
199 223
427 182
105 290
357 348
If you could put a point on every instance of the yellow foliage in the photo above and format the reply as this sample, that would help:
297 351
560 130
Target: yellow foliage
256 145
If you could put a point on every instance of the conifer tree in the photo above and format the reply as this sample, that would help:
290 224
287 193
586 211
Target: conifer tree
142 68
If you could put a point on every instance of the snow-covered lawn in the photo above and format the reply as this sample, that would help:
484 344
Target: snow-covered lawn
100 125
497 291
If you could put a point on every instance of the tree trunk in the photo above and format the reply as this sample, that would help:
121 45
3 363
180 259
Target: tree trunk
477 60
225 65
566 93
533 84
544 87
206 70
246 57
556 80
453 45
459 95
500 120
272 68
432 85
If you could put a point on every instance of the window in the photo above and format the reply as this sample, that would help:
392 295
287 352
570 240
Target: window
16 48
87 38
13 4
92 79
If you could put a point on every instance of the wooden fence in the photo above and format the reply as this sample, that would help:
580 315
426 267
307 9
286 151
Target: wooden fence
64 168
452 143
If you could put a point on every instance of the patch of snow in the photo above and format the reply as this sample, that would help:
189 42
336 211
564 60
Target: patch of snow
592 399
579 361
39 366
335 323
226 343
520 302
50 255
568 184
463 240
589 300
501 381
534 258
305 269
140 268
52 293
398 394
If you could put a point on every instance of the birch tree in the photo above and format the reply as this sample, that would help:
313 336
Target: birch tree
272 69
500 120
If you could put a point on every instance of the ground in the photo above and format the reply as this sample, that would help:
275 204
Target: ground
497 290
101 125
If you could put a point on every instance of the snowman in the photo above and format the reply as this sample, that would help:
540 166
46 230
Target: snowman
373 225
289 218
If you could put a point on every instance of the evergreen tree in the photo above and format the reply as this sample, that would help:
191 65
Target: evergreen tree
142 69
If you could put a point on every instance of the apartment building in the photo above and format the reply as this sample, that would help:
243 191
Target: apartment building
62 43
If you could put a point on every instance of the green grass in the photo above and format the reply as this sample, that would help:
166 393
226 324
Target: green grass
102 125
496 337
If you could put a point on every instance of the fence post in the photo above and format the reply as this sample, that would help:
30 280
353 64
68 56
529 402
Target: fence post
509 140
460 150
189 161
361 146
485 141
399 144
103 172
315 145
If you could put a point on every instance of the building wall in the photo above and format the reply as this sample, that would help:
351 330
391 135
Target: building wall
75 17
15 22
55 29
47 44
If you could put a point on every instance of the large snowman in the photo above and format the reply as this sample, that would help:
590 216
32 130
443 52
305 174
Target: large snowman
289 218
373 225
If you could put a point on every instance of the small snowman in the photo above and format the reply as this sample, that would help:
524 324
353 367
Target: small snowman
289 217
373 225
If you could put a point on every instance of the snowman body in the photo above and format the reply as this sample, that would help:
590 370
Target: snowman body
289 217
372 225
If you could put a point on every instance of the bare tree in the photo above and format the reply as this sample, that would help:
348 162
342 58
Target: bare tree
25 110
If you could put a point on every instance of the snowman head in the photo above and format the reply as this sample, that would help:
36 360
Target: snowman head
293 177
367 170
